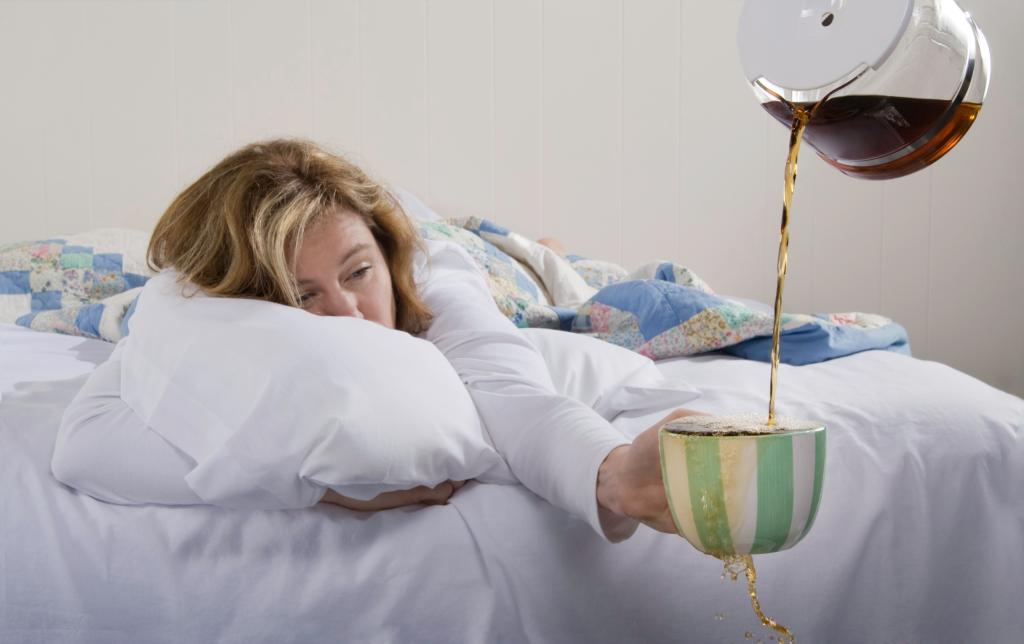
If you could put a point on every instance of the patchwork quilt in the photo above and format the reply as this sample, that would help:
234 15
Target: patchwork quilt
80 285
662 309
87 285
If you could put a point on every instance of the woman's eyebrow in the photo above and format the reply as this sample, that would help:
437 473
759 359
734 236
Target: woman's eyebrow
352 251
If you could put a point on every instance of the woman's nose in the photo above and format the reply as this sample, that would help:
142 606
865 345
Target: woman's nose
341 303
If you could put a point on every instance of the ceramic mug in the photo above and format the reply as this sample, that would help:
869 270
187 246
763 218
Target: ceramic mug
747 493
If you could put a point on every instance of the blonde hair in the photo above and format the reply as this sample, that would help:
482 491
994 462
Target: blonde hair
236 230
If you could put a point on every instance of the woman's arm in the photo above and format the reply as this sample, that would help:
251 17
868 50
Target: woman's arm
104 450
558 447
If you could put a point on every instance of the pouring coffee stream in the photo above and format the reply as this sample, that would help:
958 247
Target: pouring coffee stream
879 89
795 136
801 117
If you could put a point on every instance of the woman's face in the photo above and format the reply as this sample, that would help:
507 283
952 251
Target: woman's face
341 271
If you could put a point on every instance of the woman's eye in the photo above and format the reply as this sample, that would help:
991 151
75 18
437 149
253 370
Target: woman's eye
305 298
360 273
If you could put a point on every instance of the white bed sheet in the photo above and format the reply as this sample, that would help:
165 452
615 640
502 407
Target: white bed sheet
918 538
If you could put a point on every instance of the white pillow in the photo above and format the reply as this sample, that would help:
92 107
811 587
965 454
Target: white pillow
607 377
414 206
275 404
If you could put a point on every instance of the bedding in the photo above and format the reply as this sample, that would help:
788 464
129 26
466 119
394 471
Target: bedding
565 288
597 273
76 284
517 293
189 372
917 538
123 461
605 377
439 438
495 362
664 319
660 310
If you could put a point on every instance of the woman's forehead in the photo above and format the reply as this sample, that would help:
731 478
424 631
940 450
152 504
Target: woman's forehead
332 237
339 226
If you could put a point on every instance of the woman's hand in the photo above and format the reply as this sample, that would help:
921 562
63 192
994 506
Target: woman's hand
629 480
437 495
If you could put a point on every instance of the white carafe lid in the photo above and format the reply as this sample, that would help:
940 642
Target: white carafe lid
808 44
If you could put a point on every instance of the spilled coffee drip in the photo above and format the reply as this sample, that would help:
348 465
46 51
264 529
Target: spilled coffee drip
735 565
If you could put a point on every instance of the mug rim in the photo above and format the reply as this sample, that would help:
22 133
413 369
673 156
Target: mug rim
780 432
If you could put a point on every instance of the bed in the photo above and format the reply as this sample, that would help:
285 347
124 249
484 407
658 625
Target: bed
918 537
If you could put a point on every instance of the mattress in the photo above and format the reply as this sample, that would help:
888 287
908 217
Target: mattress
918 536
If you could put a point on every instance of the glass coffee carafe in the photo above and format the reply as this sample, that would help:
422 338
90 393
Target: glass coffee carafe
889 86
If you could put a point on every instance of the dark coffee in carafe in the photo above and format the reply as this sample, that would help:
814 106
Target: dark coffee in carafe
880 137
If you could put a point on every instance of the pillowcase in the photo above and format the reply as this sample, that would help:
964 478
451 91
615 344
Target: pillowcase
413 205
275 404
606 377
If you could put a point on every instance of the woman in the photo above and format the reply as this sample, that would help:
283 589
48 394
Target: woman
287 222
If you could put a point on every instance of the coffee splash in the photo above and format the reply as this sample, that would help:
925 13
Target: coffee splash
736 565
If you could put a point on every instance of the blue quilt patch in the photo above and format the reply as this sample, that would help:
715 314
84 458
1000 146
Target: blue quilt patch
657 305
108 262
46 300
15 282
88 319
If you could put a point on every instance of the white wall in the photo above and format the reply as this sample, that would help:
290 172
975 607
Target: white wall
624 128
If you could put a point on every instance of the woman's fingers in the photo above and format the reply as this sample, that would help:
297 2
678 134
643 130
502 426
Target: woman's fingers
440 493
437 495
629 480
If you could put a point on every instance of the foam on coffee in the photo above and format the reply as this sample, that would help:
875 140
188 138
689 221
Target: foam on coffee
749 424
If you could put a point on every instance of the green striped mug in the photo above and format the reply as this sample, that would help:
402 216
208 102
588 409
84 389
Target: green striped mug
742 493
